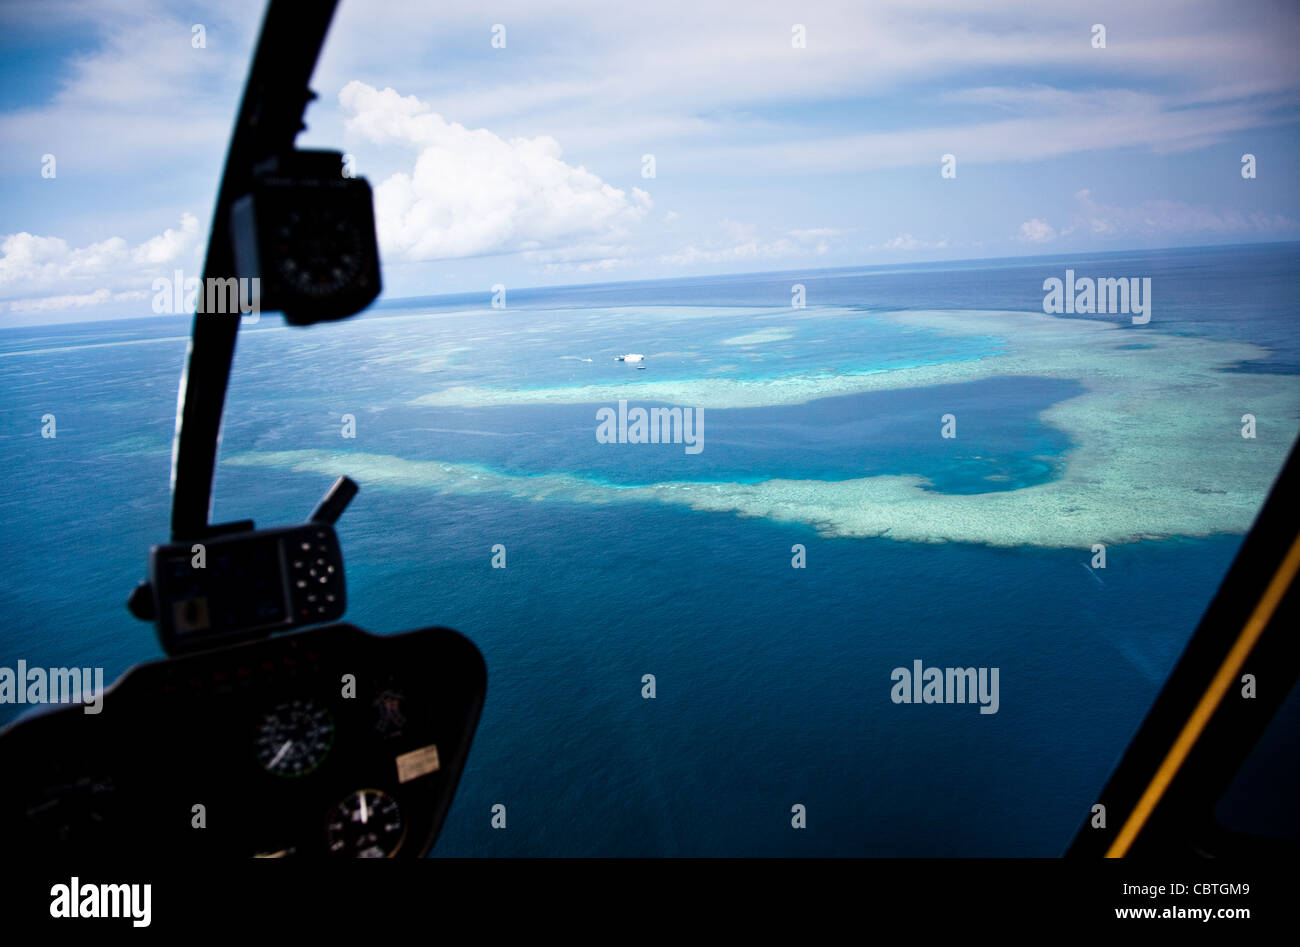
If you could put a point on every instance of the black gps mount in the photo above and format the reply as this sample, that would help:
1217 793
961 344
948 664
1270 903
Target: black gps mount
239 582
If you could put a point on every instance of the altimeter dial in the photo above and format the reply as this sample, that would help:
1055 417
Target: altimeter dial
294 737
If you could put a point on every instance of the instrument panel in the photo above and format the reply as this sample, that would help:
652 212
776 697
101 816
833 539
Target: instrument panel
327 743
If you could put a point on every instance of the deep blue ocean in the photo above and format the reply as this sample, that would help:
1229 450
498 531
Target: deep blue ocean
773 683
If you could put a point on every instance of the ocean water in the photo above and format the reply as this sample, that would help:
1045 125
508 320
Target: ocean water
822 427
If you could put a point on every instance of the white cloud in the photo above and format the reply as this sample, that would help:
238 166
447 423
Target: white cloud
1100 122
168 245
690 75
139 95
1154 218
41 273
741 241
658 76
581 258
133 111
816 233
58 303
473 193
586 266
905 241
1037 231
1157 217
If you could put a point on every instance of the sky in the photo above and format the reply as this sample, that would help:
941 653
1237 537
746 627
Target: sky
513 145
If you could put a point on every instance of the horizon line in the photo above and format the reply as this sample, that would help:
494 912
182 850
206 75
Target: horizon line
394 302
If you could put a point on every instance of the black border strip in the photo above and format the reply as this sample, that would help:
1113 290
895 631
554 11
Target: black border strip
1182 824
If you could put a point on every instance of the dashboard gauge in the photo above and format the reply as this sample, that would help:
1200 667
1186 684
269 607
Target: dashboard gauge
74 811
319 251
367 824
294 737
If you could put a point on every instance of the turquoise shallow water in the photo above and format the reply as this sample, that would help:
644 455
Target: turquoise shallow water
773 682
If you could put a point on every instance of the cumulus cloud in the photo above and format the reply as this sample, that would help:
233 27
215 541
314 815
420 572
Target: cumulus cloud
473 193
1037 231
45 273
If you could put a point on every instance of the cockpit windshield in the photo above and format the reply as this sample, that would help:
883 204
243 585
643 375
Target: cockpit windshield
814 417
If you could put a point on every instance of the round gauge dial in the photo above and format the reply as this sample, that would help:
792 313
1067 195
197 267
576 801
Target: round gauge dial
294 737
367 824
319 251
77 810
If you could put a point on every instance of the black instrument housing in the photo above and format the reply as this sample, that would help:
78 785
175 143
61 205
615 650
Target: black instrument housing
178 733
303 210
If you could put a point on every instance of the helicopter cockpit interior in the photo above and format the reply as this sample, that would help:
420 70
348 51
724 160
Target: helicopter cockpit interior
282 730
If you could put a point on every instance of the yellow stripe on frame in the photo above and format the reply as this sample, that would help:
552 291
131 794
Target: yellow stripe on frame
1209 701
